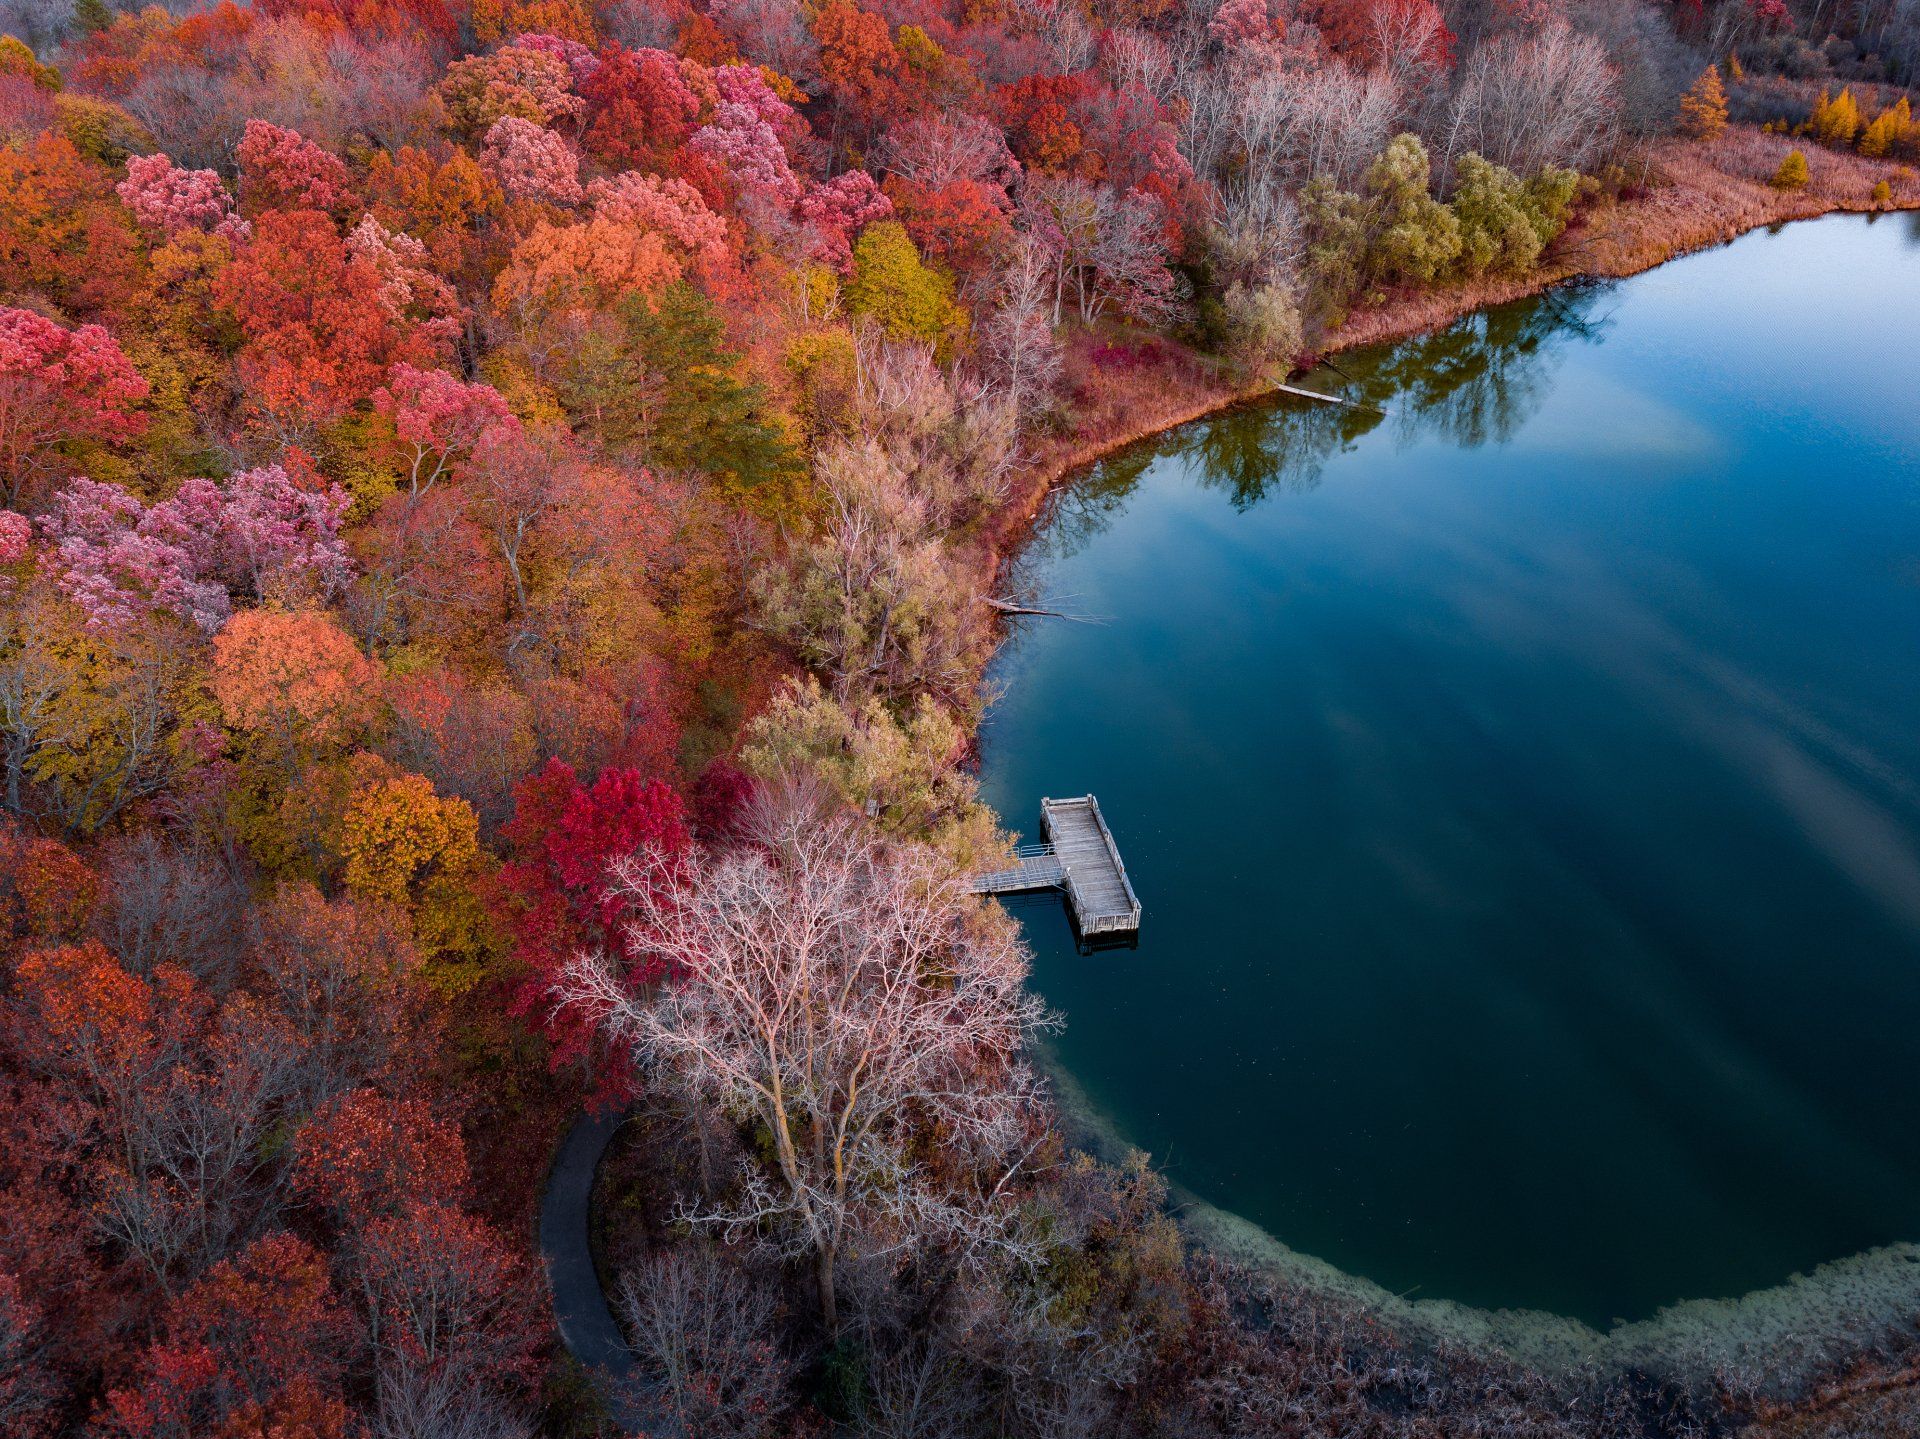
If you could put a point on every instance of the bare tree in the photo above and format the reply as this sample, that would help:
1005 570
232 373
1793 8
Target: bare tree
704 1332
1531 100
873 604
850 997
170 904
1021 350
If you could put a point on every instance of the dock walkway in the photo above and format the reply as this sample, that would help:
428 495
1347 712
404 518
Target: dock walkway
1079 857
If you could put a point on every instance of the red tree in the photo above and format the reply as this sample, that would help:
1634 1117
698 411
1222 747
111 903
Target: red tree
58 386
553 895
319 337
212 1372
450 1307
281 169
363 1154
640 107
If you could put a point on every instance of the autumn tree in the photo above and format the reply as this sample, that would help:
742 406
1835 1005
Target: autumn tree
319 336
58 388
453 1314
846 994
904 296
1792 174
1892 129
295 679
640 107
1703 109
1835 119
555 896
402 844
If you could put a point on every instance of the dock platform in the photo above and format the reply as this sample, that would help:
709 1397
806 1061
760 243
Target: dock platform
1079 858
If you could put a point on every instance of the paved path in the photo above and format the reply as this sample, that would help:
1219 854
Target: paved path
579 1304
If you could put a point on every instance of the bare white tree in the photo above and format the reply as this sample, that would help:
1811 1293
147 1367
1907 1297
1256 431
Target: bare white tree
1022 352
1526 101
852 998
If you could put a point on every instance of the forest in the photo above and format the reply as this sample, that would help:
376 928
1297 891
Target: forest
499 513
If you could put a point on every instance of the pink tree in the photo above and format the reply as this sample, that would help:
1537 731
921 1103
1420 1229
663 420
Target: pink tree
112 560
257 534
273 535
837 211
408 287
748 148
671 206
58 385
281 169
531 163
166 198
441 420
581 62
852 997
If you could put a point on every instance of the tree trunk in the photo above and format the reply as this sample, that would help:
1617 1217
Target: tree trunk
829 1306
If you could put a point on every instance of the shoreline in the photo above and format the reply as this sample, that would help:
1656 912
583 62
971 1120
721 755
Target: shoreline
1788 1334
1712 194
1780 1339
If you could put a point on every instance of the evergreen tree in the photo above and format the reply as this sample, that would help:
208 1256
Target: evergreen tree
1792 174
663 386
1703 109
91 16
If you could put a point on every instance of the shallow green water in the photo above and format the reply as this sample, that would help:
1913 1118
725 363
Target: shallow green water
1523 788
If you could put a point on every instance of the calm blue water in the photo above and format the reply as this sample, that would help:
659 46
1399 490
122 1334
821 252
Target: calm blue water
1523 788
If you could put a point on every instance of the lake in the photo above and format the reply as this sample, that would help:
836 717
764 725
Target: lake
1522 787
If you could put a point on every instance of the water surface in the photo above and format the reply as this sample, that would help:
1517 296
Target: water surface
1522 787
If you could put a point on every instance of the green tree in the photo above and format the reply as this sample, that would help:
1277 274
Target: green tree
1338 224
907 297
661 384
1506 223
1416 236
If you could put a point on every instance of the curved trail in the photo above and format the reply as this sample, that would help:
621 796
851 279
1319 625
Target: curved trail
580 1306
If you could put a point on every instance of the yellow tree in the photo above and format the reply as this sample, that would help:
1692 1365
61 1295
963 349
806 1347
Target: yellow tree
1703 109
1892 127
1835 120
1792 174
407 846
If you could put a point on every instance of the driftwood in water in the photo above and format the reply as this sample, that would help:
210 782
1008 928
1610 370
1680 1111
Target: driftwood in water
1330 399
1010 607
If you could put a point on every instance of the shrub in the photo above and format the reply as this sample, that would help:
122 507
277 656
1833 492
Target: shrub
1792 174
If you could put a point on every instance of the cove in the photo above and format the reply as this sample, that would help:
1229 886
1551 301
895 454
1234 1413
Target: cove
1522 787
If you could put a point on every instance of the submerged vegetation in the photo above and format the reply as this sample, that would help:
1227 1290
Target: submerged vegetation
498 506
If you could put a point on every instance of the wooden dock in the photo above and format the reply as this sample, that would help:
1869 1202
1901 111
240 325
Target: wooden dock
1080 858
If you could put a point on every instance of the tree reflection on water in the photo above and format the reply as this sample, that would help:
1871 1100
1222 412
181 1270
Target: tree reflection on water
1477 381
